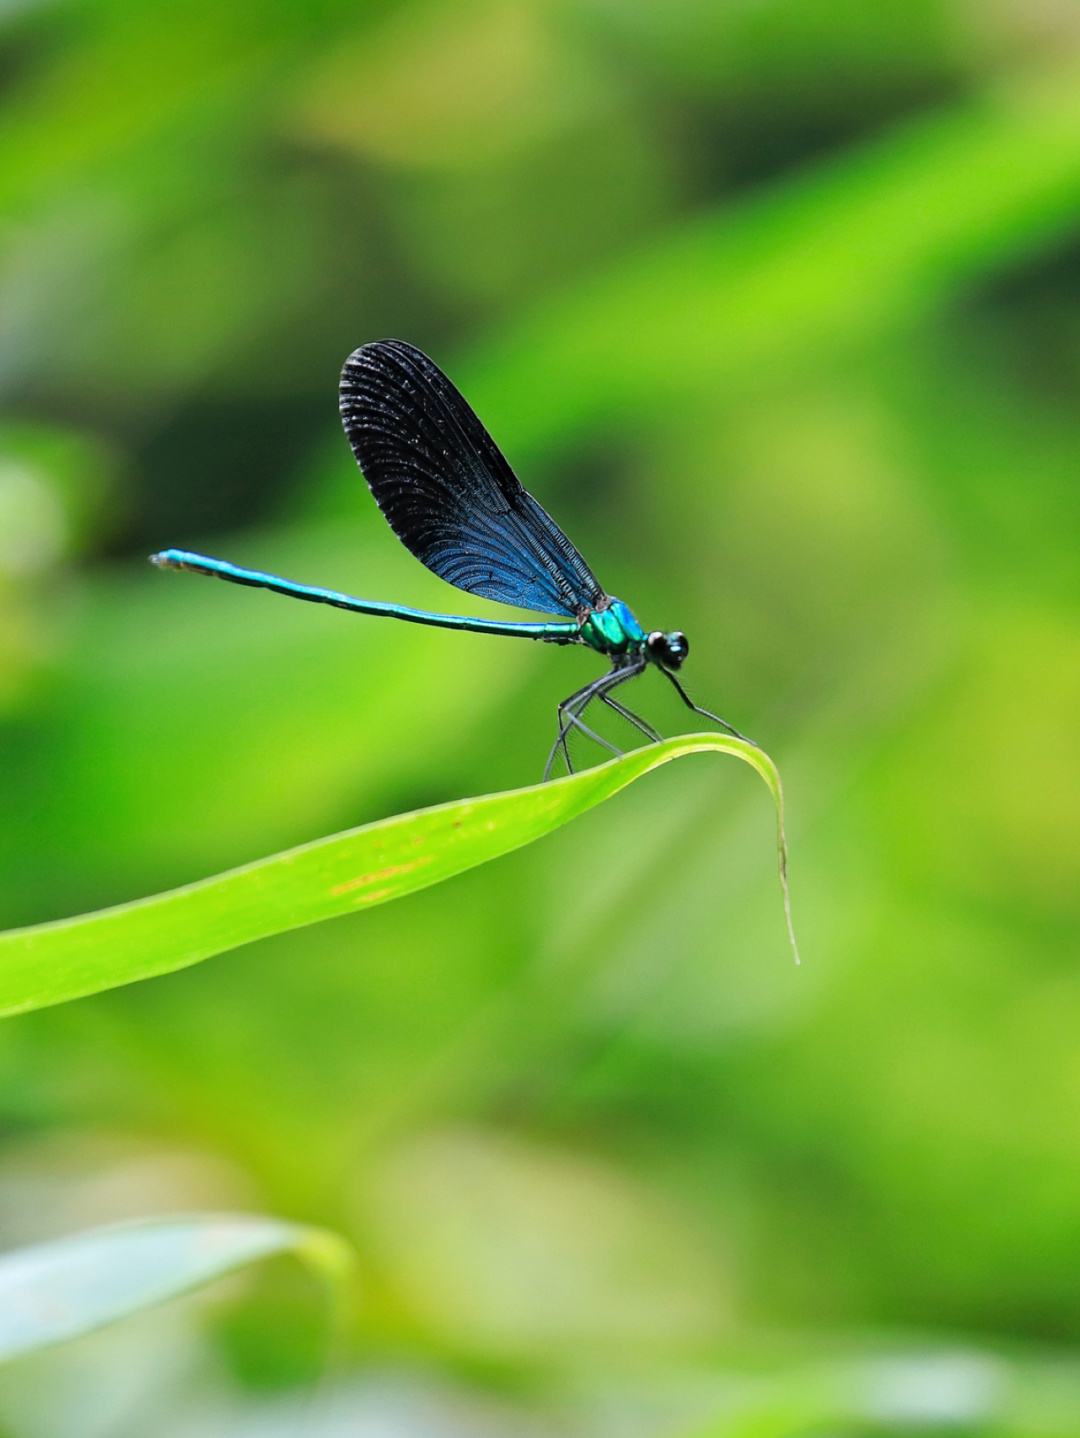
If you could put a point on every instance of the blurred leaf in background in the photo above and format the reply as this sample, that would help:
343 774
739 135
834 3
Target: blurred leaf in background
777 307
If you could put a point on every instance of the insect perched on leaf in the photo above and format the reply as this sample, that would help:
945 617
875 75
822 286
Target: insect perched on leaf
452 499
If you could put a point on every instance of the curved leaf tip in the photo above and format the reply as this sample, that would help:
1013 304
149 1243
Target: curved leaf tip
66 959
60 1290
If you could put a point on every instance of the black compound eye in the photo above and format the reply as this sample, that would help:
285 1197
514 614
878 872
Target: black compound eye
668 649
675 648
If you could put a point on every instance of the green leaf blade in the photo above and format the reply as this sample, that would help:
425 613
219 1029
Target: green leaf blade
71 958
53 1292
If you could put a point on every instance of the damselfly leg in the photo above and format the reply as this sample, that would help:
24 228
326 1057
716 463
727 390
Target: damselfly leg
706 713
569 717
571 711
636 720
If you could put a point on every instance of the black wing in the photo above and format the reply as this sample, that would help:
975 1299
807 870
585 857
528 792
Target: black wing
447 492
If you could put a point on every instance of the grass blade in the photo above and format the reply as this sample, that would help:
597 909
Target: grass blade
60 1290
51 963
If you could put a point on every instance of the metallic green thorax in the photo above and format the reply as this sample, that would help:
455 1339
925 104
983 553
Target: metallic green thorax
613 630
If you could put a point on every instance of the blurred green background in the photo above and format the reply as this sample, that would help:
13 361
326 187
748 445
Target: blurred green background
777 307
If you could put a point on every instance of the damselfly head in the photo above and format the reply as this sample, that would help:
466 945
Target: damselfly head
669 649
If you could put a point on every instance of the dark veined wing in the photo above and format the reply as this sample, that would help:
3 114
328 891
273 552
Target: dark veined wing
447 492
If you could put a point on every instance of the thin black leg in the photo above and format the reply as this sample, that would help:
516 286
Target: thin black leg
575 721
706 713
569 717
574 711
631 718
575 707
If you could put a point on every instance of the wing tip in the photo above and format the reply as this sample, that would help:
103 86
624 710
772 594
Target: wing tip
378 366
376 350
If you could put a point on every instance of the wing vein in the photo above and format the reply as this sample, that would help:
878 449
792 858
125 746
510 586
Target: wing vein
446 490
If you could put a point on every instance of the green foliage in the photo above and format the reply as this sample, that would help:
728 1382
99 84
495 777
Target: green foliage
775 306
51 963
60 1290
